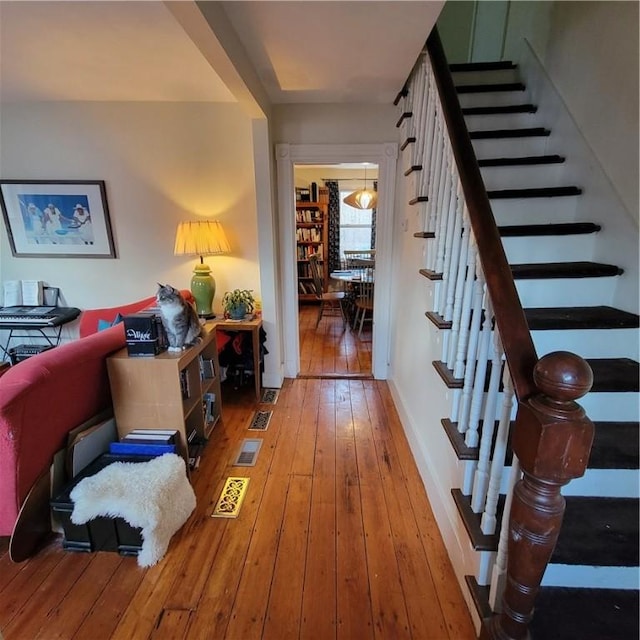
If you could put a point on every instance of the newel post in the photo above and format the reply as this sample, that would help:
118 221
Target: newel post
552 438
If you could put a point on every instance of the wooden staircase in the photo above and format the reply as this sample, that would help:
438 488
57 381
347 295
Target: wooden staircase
597 549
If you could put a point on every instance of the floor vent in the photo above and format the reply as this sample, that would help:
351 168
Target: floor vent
269 396
231 497
248 453
260 421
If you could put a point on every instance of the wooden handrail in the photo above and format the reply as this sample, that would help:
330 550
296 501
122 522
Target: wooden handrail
514 330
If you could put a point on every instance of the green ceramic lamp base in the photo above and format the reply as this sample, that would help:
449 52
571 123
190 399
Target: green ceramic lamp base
203 288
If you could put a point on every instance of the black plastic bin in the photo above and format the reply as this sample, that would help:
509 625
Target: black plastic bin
99 534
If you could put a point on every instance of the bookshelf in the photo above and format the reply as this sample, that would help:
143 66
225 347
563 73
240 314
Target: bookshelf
178 391
311 237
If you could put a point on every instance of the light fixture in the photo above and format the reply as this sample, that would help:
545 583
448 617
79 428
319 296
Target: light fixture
201 238
362 198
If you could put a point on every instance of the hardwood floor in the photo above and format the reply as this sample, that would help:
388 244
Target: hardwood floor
330 349
335 539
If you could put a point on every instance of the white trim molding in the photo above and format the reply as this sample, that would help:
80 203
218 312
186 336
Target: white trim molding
385 156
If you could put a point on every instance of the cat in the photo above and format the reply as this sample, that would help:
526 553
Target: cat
179 318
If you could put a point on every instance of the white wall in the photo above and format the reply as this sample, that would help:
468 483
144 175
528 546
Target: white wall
592 59
162 163
334 123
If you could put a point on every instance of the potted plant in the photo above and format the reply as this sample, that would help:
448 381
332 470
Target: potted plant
238 303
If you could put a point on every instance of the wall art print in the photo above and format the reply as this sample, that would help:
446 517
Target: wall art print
57 218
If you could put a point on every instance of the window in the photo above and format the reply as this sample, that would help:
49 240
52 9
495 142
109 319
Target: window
355 227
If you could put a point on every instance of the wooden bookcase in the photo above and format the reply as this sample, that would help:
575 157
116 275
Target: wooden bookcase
167 391
311 237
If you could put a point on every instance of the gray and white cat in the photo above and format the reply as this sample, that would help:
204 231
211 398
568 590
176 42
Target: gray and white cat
179 318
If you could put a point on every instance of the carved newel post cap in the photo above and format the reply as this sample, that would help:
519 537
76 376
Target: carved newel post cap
563 376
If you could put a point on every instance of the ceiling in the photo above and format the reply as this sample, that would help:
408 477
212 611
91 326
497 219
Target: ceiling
302 51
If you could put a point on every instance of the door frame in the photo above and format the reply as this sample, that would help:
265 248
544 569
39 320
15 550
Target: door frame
385 156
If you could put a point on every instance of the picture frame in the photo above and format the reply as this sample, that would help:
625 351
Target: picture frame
57 218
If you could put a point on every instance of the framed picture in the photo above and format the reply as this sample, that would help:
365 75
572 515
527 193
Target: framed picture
57 218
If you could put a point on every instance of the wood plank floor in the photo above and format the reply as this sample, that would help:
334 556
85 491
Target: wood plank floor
335 540
330 349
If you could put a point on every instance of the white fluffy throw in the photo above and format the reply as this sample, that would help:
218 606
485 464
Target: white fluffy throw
154 495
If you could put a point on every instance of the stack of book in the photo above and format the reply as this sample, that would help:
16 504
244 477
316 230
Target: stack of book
146 442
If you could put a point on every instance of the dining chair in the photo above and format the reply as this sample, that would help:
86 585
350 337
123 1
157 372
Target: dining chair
329 300
364 303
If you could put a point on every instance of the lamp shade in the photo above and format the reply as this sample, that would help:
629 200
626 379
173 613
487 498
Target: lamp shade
362 199
201 238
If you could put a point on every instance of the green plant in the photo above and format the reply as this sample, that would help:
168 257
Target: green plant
236 298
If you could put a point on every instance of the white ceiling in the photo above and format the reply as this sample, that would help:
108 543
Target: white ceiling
302 51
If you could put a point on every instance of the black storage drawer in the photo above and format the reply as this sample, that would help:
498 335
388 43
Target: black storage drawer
99 534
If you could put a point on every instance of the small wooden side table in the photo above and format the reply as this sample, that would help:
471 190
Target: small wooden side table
253 326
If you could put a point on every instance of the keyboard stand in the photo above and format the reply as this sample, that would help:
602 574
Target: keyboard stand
48 333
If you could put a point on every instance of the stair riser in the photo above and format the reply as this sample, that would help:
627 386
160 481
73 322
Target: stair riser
605 483
611 406
524 146
547 249
593 343
579 292
534 211
544 175
493 98
488 122
563 575
493 76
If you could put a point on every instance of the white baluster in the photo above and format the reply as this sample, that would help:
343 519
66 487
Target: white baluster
477 396
459 289
416 110
472 350
467 301
444 192
434 187
481 480
488 521
499 573
454 253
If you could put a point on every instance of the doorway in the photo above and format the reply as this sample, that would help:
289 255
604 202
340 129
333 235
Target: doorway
335 335
384 156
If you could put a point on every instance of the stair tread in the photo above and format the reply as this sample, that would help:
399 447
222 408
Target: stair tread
564 613
560 229
508 161
490 87
580 269
536 192
602 317
616 445
614 374
522 132
599 532
482 66
525 107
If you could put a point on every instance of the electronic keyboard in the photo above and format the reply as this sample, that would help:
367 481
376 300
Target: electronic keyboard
40 316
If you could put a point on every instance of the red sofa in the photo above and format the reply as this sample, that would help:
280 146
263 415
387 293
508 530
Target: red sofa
44 397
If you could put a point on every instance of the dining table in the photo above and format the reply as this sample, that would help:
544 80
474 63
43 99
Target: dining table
353 276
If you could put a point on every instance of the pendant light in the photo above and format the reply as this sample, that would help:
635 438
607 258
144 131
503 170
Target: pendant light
362 198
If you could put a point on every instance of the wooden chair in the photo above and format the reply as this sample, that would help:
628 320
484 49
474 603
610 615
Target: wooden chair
364 304
329 300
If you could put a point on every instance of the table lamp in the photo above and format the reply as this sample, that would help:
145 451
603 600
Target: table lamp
201 238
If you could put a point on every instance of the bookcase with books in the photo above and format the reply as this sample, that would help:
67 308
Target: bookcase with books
169 391
311 238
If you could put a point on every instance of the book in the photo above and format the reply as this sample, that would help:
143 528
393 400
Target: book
23 292
140 449
150 439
